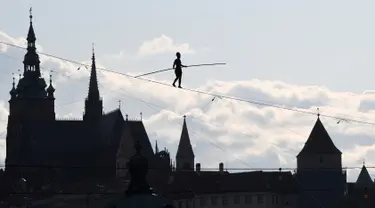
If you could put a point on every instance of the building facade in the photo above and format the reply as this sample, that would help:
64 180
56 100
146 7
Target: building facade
36 139
319 181
319 170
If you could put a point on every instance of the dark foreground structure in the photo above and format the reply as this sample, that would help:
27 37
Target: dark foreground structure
139 193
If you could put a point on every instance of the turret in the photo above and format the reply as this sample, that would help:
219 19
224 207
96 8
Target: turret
50 89
29 100
185 155
13 91
319 170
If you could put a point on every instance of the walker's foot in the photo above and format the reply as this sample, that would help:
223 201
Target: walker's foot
179 87
173 85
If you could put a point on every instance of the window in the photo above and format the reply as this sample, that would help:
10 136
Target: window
213 200
237 200
320 159
275 199
203 202
224 200
248 199
260 199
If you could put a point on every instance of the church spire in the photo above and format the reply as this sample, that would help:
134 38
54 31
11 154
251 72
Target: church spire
185 154
31 61
156 147
93 102
31 38
93 86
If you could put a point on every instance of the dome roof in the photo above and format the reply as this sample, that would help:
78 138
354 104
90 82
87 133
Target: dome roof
50 89
13 91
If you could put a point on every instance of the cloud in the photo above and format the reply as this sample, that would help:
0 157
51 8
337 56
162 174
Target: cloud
252 132
20 42
163 44
367 102
240 134
121 55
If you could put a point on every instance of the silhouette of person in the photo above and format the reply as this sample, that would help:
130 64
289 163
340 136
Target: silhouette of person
177 66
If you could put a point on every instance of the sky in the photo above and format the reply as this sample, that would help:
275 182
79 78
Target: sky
302 54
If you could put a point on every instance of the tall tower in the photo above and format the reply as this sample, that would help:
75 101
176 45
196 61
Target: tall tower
29 103
93 102
185 155
319 170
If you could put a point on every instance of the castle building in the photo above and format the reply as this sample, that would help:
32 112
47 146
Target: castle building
42 147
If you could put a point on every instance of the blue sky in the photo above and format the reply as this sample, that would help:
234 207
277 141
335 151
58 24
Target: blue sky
302 42
304 54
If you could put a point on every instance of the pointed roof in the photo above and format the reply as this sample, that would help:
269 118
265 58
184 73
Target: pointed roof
319 141
109 125
31 57
31 34
184 147
93 85
156 147
364 177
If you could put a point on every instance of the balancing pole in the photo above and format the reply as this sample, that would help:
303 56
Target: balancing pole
163 70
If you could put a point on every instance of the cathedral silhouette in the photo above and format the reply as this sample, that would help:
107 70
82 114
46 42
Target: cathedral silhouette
42 148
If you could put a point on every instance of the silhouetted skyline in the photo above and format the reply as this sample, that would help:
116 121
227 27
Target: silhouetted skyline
279 134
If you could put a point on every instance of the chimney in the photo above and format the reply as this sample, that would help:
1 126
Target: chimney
198 167
221 167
